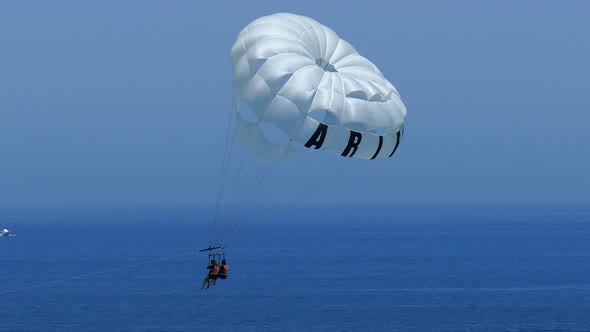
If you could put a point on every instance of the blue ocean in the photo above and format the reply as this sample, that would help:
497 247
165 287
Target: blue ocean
338 269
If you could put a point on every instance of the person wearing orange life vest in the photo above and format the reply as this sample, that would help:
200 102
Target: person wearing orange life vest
222 274
212 275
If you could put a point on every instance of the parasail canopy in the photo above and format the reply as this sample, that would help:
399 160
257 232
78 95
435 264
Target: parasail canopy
297 80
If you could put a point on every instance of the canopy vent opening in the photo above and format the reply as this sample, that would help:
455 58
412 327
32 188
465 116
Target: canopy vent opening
326 65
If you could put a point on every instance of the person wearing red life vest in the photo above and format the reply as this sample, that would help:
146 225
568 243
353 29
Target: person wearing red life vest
222 274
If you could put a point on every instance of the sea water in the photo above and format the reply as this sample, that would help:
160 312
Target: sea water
366 269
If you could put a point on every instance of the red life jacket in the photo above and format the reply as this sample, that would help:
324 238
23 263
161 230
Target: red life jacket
223 272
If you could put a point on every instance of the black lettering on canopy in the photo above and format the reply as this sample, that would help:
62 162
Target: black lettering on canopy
318 137
396 144
378 147
353 142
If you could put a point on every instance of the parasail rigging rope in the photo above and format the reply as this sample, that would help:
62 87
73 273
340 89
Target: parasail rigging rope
224 167
245 195
94 273
240 177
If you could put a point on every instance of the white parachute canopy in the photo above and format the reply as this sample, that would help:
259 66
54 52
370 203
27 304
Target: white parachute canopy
296 78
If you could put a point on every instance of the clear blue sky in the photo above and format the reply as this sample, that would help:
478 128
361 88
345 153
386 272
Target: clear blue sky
125 102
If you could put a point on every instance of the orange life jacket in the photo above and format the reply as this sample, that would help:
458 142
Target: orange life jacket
223 272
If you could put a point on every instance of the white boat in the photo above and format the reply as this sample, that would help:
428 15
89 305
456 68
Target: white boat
5 232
